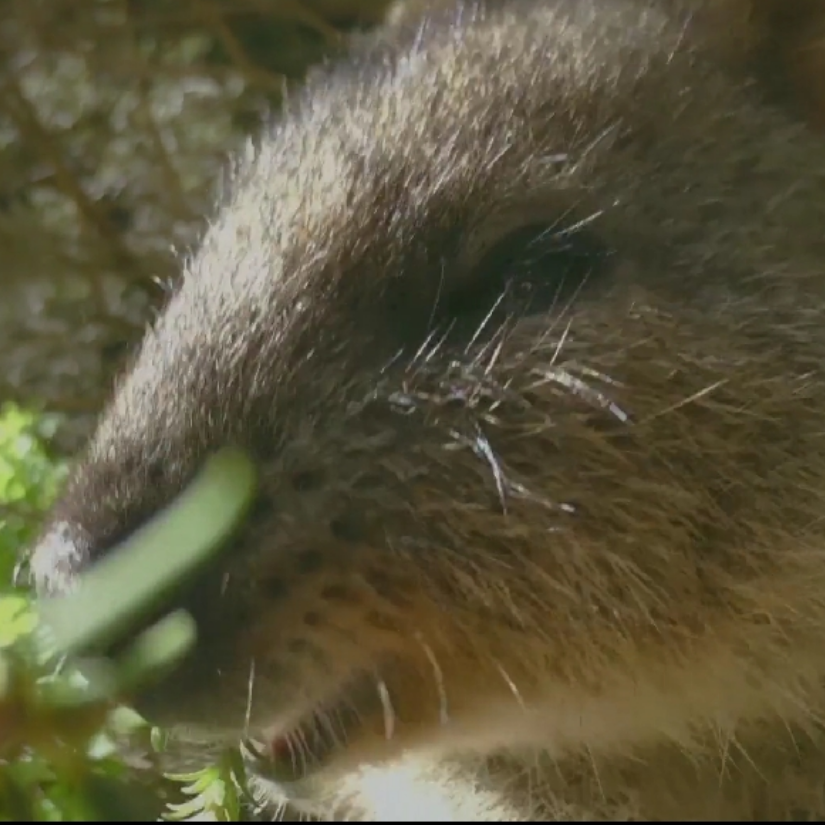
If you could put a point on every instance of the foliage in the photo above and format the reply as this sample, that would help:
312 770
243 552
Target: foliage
68 750
29 480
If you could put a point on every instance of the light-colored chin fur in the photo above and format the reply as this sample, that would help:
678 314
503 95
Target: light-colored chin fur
708 740
663 784
410 789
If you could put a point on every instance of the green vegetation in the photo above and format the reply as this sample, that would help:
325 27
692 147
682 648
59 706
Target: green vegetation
68 748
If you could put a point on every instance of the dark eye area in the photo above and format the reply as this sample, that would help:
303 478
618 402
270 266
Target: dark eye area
534 270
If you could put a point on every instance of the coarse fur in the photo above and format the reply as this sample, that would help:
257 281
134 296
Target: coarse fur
521 312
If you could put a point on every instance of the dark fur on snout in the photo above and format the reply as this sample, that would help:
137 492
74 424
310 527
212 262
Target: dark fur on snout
520 313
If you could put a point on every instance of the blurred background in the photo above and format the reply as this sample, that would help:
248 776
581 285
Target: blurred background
116 121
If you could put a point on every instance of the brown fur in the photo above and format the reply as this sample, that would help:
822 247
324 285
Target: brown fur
562 560
790 40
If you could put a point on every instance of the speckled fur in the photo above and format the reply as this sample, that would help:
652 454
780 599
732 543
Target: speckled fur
571 566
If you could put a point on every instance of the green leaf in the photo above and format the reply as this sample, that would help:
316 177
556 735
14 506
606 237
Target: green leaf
17 619
112 596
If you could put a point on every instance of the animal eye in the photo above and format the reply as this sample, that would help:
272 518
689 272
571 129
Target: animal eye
531 271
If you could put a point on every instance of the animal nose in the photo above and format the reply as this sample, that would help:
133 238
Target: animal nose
54 563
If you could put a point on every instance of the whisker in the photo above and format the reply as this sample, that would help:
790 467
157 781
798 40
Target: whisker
318 736
250 684
337 719
483 325
443 710
326 720
688 400
389 710
560 344
303 749
510 684
291 745
481 447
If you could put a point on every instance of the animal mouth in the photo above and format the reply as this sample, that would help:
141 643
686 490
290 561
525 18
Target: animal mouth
289 761
287 755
